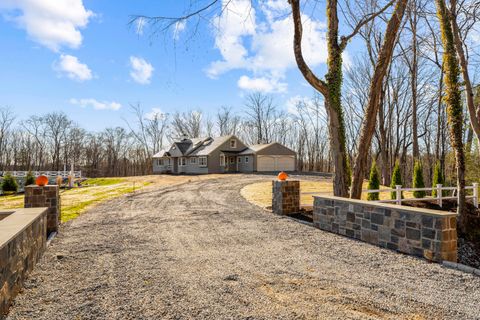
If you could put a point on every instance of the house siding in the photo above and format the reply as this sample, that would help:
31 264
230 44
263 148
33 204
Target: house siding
213 158
246 166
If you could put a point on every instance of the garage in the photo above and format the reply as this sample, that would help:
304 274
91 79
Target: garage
275 163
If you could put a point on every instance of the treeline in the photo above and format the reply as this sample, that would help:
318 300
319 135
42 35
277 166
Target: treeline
54 142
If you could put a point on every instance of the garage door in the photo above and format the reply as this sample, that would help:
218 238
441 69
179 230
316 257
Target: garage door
266 163
276 163
285 163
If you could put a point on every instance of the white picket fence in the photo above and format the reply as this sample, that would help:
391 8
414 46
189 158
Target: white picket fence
64 174
439 198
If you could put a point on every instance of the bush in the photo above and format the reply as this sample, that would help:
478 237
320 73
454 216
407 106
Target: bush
373 183
9 183
396 180
29 179
437 178
418 180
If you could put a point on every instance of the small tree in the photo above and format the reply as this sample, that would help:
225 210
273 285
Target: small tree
373 183
9 183
396 180
29 179
418 180
437 178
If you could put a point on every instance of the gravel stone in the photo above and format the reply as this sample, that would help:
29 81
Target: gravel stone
201 251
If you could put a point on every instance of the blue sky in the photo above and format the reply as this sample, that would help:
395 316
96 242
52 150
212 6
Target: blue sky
81 57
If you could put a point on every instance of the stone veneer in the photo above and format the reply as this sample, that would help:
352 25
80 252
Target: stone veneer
46 196
285 196
23 238
430 234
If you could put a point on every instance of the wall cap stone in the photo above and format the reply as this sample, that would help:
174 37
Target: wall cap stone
16 222
424 211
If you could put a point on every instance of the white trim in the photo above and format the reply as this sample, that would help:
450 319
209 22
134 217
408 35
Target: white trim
182 162
222 160
203 161
234 145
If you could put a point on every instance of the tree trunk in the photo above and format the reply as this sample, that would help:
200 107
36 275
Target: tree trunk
454 104
374 99
472 111
414 72
331 91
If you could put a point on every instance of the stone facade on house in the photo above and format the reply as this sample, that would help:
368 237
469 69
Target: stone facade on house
285 196
46 196
23 238
430 234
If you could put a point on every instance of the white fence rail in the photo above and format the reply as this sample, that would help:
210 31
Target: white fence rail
439 190
64 174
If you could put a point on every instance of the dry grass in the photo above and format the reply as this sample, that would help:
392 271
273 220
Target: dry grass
260 193
75 201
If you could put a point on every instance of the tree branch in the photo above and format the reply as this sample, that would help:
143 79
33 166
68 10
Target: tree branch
307 73
361 23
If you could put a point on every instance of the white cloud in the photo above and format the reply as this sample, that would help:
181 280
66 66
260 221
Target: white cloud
73 68
51 23
179 27
264 48
141 70
139 26
262 84
95 104
155 113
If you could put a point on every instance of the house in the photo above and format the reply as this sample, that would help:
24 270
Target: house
221 155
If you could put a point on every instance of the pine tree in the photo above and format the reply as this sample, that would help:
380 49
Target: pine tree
29 179
396 180
437 178
418 180
9 183
373 183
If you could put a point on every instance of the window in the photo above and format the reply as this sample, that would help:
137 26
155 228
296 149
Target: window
246 159
202 161
239 159
193 160
232 160
233 143
159 162
183 161
222 160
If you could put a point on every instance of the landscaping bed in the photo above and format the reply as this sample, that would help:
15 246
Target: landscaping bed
469 243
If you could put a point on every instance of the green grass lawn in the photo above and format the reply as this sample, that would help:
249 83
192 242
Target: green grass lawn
75 201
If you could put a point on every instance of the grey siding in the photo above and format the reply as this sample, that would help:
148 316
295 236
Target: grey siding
214 158
157 168
276 149
193 168
246 166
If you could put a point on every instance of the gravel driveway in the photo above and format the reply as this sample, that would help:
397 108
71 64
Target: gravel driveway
200 251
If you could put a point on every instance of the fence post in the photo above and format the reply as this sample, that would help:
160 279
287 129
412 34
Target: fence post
399 194
439 194
475 194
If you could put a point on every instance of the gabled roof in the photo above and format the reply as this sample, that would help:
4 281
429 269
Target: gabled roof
161 154
209 145
255 148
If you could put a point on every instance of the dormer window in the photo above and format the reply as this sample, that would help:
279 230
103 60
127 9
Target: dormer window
233 143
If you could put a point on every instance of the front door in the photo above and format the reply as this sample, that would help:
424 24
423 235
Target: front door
175 165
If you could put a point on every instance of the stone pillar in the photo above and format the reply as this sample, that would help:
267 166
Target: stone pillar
46 196
285 197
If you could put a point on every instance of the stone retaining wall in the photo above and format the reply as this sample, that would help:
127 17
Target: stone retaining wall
285 196
430 234
23 238
46 196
